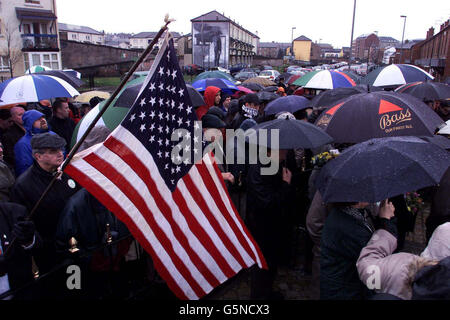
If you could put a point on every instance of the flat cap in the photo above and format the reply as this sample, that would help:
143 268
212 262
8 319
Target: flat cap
251 98
47 141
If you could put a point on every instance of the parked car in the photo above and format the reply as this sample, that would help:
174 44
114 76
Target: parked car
242 76
219 69
269 74
267 68
237 67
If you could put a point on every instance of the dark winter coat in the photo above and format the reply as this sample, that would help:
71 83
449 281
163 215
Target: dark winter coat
269 200
64 128
9 140
6 181
343 237
27 191
440 205
19 259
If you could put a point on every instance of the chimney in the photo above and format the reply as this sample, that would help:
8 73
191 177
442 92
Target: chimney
430 33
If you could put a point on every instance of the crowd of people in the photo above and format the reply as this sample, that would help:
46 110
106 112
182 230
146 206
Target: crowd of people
343 240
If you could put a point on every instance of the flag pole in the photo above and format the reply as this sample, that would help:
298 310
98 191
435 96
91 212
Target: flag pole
99 115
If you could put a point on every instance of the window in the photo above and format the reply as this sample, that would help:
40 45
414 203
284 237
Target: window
88 37
51 61
33 1
26 29
4 64
43 28
74 36
27 61
36 59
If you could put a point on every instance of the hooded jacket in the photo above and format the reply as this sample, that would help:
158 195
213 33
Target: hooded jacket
22 149
394 269
209 97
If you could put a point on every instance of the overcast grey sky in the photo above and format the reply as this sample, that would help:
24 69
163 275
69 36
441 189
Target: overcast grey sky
326 21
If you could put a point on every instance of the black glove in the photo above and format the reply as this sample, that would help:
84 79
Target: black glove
24 232
4 264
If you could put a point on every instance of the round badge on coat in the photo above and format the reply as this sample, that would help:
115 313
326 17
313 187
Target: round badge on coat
71 183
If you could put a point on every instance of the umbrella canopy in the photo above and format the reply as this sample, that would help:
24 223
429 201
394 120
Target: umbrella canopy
262 81
331 97
288 103
86 96
395 75
445 129
111 119
438 140
213 75
224 85
245 90
73 73
285 76
355 77
426 90
271 89
253 86
66 76
378 169
36 69
292 134
292 78
34 88
325 79
265 96
364 116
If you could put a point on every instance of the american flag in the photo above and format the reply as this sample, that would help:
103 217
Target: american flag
179 212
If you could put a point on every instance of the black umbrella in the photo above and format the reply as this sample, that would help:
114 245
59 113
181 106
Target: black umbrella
426 90
288 103
330 98
364 116
288 134
285 76
66 76
129 94
265 96
438 140
270 89
253 86
378 169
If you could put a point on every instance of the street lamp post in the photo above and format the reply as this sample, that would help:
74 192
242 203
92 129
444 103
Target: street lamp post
403 35
292 41
351 40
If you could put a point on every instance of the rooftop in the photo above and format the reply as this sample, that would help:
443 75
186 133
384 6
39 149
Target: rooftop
75 28
302 38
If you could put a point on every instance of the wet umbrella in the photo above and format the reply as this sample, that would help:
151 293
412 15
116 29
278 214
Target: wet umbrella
288 103
224 85
324 79
271 89
381 168
66 76
364 116
288 134
265 96
331 97
245 90
285 76
253 86
426 90
37 69
445 128
213 75
395 75
355 77
292 78
438 140
262 81
88 95
34 88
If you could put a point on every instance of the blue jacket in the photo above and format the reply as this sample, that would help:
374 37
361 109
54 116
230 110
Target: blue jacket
22 149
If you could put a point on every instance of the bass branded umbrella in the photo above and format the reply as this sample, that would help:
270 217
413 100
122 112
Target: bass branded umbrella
395 75
364 116
288 103
325 79
34 88
426 90
288 134
381 168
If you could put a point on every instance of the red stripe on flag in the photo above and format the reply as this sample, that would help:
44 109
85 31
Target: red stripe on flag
195 193
212 188
258 250
99 193
117 147
122 183
203 237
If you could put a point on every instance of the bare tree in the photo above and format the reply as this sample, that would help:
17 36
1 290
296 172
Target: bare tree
12 52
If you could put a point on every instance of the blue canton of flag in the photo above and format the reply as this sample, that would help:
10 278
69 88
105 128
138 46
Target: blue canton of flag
162 107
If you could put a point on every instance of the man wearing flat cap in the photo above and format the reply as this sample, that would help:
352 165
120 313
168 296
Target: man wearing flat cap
47 151
249 110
